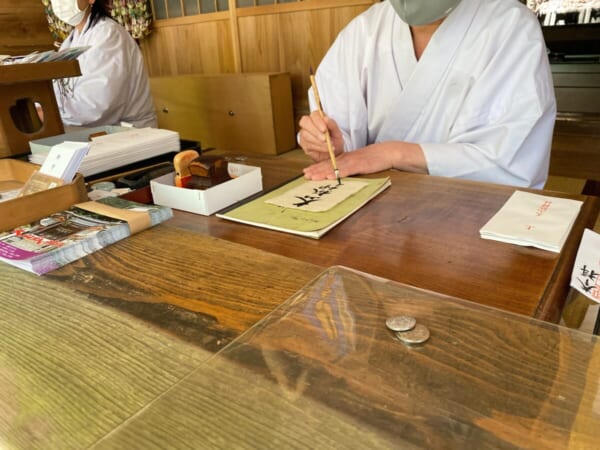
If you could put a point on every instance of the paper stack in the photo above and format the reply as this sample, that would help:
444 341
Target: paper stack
46 56
75 134
533 220
64 160
118 149
59 168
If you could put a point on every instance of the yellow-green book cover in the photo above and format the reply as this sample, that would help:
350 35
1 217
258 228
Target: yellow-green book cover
308 208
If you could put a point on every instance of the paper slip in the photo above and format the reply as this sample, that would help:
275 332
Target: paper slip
64 159
586 270
533 220
317 196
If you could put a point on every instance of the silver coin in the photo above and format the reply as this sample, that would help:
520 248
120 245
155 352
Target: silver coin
401 323
418 335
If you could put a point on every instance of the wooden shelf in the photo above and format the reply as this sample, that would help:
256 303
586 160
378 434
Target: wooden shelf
21 87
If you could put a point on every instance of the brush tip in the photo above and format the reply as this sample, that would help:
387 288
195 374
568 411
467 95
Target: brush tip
337 175
310 70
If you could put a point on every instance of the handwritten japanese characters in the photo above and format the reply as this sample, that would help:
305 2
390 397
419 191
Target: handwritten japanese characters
586 270
588 279
317 196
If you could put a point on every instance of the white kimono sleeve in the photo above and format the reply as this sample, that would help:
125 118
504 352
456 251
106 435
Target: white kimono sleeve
98 95
504 131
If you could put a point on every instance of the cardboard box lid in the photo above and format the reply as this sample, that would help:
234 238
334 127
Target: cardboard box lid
23 210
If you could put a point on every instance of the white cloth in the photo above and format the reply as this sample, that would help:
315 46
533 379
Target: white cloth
113 86
479 101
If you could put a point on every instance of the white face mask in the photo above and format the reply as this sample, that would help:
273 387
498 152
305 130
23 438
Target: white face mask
421 12
68 11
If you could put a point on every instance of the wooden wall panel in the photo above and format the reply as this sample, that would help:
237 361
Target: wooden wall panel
196 48
305 38
291 42
23 27
259 47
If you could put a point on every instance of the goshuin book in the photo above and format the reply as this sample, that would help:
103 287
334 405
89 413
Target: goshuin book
308 208
68 235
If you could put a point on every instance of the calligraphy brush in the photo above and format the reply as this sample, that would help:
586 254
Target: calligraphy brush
327 136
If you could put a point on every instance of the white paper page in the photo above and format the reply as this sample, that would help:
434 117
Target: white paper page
586 270
317 196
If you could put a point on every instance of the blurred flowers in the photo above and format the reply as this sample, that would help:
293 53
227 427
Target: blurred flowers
58 28
134 15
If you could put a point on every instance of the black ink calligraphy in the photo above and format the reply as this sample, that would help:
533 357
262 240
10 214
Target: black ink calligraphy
589 281
315 195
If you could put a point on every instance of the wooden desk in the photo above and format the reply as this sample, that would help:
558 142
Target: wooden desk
424 231
323 371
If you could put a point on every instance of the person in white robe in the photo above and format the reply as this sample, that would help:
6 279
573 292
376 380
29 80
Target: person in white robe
459 88
113 86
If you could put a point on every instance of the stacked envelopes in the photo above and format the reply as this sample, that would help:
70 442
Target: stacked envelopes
118 149
533 220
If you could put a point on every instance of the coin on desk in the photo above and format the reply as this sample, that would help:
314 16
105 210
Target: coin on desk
401 323
418 335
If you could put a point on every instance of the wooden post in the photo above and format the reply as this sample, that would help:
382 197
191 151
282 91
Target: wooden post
235 33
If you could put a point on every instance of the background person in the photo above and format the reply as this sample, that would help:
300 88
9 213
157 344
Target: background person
113 86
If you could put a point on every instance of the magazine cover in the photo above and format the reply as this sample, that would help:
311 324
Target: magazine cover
65 236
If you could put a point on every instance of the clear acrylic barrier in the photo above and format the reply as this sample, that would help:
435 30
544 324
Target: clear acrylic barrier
323 371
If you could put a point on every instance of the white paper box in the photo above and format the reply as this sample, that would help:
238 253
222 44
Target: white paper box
247 181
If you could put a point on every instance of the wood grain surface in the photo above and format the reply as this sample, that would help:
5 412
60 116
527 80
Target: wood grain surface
576 146
23 27
323 371
72 369
85 347
201 289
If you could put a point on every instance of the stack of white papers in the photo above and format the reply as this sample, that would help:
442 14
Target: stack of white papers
118 149
533 220
64 160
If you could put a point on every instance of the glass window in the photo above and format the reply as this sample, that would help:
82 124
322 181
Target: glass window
174 8
190 7
208 6
160 9
165 9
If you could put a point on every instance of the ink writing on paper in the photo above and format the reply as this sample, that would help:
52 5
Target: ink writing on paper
539 212
589 281
317 196
586 270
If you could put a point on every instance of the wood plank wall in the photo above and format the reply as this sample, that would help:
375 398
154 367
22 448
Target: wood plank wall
23 27
288 37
